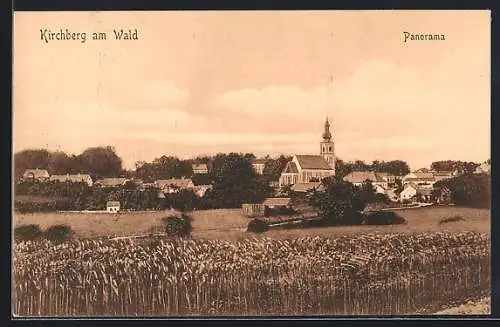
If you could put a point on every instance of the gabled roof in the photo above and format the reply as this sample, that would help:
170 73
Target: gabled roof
114 181
199 166
424 191
361 176
424 175
177 182
36 173
290 168
312 162
202 189
71 178
277 202
412 185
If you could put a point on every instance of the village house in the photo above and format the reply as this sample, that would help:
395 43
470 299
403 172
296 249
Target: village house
201 190
259 165
424 194
443 196
74 178
442 175
277 203
111 182
409 191
389 178
36 174
377 179
200 169
173 185
113 206
380 189
484 168
419 178
311 168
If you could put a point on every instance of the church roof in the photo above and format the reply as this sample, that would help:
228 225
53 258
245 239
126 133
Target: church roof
312 162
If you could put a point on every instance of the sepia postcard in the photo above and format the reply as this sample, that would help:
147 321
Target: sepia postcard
251 163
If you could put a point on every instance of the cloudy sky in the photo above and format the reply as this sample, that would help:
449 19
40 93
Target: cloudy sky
263 82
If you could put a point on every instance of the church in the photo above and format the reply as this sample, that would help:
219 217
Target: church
311 168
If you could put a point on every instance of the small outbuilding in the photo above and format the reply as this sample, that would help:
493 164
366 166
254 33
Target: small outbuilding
113 206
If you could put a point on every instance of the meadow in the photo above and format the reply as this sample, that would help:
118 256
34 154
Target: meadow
230 224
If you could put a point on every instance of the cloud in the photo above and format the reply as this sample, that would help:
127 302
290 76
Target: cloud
379 99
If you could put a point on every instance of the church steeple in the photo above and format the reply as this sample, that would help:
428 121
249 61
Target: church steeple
327 136
327 146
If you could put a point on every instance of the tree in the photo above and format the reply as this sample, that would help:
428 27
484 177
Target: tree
471 190
182 200
30 159
462 167
274 167
235 182
101 162
360 165
397 167
342 168
59 163
340 203
394 167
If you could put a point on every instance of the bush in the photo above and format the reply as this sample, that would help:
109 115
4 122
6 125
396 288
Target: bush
384 218
381 198
58 233
257 226
27 233
451 219
177 226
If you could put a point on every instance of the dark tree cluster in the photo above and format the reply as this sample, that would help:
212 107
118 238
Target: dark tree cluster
462 167
96 161
471 190
394 167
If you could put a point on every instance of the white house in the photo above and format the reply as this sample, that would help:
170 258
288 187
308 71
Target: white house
36 174
358 177
113 206
380 189
200 169
259 165
408 192
311 168
74 178
201 190
483 168
173 185
419 178
112 182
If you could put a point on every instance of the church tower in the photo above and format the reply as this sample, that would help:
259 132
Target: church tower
327 146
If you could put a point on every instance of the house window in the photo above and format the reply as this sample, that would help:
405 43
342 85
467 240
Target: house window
330 149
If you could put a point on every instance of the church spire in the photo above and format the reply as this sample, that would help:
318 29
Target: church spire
327 136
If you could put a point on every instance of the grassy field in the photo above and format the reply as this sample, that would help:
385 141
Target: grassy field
231 224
